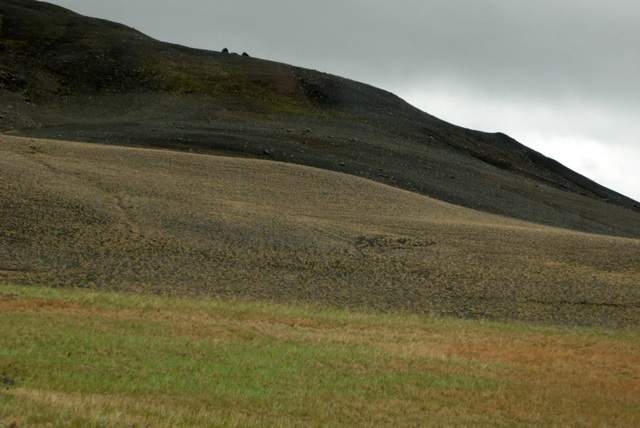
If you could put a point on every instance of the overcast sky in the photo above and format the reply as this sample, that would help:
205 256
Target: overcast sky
561 76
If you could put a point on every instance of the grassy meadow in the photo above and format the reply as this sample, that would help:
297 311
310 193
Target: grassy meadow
72 357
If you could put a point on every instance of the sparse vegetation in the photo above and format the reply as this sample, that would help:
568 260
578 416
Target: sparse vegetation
85 358
182 224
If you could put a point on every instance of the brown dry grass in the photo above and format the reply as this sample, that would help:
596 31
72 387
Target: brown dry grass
146 220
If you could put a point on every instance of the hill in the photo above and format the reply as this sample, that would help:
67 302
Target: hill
69 77
131 219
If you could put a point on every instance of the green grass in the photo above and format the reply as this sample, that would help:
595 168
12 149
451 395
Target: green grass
85 358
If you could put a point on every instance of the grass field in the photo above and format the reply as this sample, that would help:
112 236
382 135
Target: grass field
86 358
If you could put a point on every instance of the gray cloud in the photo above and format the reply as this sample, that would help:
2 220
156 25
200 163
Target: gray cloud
570 68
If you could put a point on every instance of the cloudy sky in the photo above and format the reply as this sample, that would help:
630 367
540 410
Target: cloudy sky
560 76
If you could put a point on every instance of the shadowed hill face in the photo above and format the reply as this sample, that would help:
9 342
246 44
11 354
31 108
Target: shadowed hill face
53 52
70 77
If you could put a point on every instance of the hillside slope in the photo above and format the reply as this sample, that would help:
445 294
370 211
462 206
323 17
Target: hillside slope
65 76
88 215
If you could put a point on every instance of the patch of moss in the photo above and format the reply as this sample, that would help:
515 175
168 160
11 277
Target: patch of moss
178 79
223 82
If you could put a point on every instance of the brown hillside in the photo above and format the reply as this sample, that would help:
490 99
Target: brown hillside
89 215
